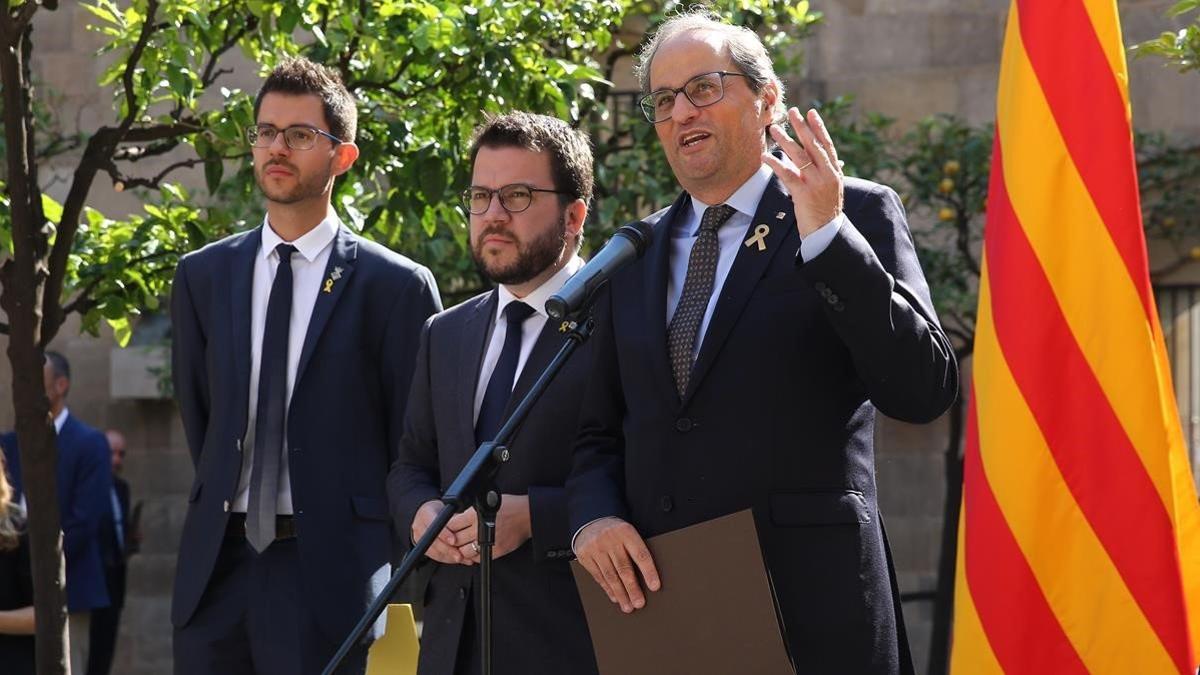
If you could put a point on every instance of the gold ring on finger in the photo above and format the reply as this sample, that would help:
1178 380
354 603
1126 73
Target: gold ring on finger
805 166
475 546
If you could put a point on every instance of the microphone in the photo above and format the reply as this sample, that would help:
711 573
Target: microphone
627 244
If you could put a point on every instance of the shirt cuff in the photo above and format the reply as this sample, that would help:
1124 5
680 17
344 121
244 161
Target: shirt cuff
816 243
586 525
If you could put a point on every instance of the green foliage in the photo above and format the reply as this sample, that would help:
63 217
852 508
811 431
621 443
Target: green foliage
1180 48
1169 176
424 72
941 167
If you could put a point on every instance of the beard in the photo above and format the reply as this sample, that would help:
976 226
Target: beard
306 187
533 256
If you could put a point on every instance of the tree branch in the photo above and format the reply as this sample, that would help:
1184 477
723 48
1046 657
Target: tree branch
136 153
135 56
24 15
98 154
211 72
83 302
127 182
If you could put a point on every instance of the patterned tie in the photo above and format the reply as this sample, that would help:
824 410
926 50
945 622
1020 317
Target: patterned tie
697 289
500 386
272 407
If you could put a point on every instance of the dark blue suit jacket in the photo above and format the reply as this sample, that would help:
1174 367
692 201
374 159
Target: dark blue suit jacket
539 623
778 416
344 419
84 485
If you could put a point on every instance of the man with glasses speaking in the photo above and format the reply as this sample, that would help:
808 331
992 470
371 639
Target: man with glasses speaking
292 354
531 182
740 363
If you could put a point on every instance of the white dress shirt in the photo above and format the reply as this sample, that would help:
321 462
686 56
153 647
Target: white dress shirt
308 270
729 238
530 329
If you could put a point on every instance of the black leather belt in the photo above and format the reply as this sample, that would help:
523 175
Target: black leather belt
285 527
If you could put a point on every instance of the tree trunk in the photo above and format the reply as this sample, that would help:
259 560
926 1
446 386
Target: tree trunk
23 278
943 603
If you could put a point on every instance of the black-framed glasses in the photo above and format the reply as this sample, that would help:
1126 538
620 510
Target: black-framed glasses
297 137
514 197
702 90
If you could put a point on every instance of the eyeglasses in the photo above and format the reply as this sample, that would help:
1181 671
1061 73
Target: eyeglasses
515 197
299 137
702 90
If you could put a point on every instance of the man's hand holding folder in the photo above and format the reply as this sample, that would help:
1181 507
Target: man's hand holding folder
609 549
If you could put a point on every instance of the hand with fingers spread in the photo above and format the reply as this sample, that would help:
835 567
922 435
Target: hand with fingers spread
613 552
809 169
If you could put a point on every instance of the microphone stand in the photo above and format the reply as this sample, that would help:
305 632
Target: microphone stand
475 484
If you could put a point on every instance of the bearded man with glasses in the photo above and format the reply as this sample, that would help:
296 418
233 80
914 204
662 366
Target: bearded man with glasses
531 182
740 363
292 354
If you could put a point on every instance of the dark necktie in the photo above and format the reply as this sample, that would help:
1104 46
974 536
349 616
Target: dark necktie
499 388
697 289
271 413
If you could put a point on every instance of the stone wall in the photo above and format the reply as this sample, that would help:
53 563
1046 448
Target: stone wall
904 58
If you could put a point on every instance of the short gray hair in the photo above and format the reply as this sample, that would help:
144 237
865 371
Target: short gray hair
746 50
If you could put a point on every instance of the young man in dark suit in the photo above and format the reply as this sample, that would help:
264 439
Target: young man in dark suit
530 186
84 486
293 347
740 363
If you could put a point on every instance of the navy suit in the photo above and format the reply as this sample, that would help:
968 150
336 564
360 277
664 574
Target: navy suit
778 415
84 484
344 421
539 622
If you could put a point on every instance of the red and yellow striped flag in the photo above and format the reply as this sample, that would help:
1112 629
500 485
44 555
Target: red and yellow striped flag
1079 542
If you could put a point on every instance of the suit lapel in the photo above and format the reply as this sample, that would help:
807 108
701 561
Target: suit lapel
654 285
470 358
748 267
343 255
241 288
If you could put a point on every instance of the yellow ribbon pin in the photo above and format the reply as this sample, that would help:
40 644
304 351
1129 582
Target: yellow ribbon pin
760 236
328 286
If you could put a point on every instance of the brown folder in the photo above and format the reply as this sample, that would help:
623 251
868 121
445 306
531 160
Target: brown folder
714 614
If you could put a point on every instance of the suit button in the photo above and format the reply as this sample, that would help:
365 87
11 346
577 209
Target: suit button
226 506
832 298
238 444
294 450
462 593
839 307
683 425
665 504
821 287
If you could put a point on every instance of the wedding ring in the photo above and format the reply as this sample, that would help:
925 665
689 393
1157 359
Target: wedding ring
475 546
805 166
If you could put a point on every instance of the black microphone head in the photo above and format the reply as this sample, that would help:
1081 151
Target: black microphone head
638 232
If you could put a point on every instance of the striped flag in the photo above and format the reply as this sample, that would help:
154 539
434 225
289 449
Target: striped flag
1079 542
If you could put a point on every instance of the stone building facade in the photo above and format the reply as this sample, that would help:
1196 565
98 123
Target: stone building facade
905 58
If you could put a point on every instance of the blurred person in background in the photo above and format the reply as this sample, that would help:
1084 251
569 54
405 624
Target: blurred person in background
84 480
16 585
119 539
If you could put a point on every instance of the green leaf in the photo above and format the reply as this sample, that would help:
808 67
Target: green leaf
51 208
